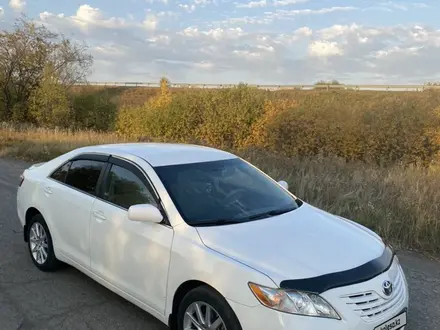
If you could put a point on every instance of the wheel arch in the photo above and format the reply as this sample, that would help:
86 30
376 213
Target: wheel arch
180 293
51 263
30 213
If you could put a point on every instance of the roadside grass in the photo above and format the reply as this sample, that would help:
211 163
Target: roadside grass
401 204
41 144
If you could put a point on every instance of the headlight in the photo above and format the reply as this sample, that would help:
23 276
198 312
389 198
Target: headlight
294 302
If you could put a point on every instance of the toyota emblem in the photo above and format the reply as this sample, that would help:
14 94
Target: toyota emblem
387 287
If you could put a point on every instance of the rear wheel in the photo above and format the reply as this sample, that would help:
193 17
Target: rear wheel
204 309
40 245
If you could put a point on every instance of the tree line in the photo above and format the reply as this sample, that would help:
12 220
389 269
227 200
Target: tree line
38 68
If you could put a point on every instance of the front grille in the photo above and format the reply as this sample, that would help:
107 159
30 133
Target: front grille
370 306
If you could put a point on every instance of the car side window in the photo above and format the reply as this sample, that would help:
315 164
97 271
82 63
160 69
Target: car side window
124 188
61 173
84 175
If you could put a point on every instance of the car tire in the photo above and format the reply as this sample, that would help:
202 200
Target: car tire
40 245
206 297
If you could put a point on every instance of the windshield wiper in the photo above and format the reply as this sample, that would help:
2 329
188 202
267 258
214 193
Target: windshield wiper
216 222
220 222
269 213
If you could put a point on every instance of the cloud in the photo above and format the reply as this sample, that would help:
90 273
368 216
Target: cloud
85 17
187 8
203 2
86 13
17 5
190 7
420 5
150 22
338 30
395 5
165 2
390 6
245 20
287 2
252 4
321 11
167 14
264 3
400 52
217 34
396 50
1 11
144 50
325 49
288 14
304 31
88 18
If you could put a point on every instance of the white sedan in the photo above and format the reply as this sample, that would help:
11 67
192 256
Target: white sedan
201 239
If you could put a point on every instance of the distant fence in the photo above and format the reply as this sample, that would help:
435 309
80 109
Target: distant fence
271 87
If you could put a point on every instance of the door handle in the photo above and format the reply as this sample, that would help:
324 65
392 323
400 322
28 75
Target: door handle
48 190
99 215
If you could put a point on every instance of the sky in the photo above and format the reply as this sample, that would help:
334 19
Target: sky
251 41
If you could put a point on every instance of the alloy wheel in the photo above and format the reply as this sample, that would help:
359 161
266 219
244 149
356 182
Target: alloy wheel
202 316
38 243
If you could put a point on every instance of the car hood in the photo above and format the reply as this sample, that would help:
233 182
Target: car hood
303 243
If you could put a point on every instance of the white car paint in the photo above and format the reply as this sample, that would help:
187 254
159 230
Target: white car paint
159 154
69 220
133 255
299 235
146 263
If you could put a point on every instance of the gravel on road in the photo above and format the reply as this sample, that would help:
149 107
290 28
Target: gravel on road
68 299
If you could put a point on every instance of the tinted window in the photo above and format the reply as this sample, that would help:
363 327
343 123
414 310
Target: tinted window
84 175
126 189
231 189
61 173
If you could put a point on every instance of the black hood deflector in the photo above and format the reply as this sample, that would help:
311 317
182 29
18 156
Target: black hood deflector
352 276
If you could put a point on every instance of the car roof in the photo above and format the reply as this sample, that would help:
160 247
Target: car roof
162 154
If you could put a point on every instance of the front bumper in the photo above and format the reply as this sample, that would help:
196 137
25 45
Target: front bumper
361 306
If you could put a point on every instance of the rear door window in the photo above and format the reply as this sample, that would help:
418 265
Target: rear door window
61 173
84 175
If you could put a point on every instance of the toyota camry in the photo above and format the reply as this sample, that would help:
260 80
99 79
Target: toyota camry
202 239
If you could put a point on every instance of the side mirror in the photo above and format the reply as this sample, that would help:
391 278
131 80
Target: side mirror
284 184
144 213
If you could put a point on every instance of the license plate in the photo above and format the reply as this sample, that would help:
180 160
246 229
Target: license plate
397 322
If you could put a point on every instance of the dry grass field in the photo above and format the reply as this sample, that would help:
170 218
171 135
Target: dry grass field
368 156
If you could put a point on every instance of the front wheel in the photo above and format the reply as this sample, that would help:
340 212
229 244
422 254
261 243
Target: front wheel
204 309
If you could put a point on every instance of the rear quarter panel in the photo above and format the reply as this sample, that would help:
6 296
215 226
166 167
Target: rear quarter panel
24 194
29 195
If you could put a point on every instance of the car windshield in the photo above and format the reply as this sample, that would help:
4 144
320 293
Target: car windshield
222 192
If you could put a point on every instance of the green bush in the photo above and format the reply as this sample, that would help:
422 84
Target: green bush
48 105
94 110
222 118
384 128
378 127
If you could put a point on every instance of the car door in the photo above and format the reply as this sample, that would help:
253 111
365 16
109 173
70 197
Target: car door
133 256
69 196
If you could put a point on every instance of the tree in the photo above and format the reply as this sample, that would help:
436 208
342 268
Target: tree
48 103
27 53
323 82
